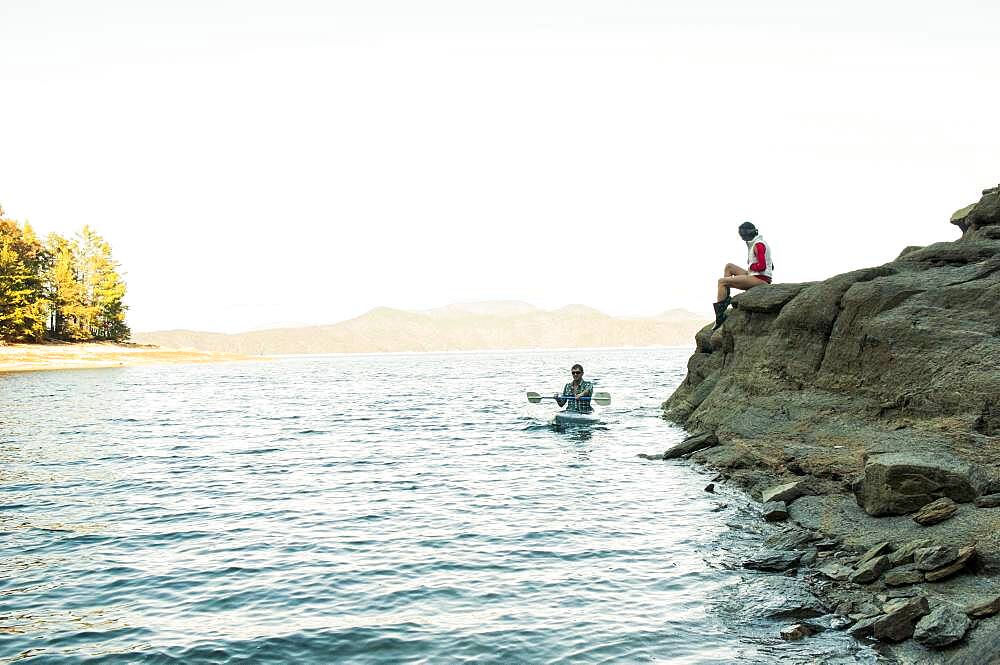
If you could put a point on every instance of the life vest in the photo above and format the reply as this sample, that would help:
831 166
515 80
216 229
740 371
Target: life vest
752 257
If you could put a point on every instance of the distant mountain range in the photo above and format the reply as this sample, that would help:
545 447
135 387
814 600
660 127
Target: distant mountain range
461 327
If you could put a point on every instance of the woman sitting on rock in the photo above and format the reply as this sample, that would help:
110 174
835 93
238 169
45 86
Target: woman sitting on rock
759 272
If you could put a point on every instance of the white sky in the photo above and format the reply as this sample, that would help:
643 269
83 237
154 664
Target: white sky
255 163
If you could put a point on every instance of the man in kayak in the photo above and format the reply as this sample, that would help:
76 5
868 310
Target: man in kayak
577 388
758 272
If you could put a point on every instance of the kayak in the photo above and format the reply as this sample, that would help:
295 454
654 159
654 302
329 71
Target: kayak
575 418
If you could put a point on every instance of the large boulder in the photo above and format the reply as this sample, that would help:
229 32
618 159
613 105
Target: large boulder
943 626
900 483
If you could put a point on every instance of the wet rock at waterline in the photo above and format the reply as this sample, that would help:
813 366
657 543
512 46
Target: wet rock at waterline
773 560
784 493
690 445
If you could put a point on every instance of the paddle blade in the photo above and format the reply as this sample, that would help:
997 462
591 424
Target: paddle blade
602 398
534 398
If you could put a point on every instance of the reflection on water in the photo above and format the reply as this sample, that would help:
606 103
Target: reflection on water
366 509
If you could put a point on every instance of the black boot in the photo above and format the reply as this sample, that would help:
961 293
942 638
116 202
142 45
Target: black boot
720 312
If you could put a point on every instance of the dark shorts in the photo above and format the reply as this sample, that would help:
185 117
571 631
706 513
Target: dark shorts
763 278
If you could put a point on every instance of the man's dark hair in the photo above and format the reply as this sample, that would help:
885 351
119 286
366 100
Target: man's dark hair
747 231
576 366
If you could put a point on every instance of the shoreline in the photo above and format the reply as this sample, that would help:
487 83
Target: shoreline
53 356
824 554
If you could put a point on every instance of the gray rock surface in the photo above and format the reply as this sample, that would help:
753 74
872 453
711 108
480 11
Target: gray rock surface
944 625
938 556
774 511
870 570
785 493
899 483
898 624
906 574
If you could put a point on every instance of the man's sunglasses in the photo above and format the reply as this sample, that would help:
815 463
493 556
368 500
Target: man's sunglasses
576 371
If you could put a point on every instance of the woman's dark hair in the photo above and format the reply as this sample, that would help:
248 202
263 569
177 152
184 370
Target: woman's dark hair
747 231
576 366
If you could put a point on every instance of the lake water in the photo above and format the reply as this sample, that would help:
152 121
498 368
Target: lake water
370 509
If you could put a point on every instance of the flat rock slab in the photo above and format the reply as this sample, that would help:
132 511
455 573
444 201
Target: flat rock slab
988 501
690 445
899 624
870 570
936 511
877 550
903 575
836 571
769 298
937 556
773 560
900 483
790 538
786 493
983 608
904 553
964 556
943 626
775 511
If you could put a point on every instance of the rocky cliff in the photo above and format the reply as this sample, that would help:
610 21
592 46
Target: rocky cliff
877 392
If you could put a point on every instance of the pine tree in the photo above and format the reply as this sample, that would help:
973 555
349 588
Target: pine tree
69 313
23 302
102 287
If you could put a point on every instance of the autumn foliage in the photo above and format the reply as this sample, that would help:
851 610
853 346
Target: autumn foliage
61 288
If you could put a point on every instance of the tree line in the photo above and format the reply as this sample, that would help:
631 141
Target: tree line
59 288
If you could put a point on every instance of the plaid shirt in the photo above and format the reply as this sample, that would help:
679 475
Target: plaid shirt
586 389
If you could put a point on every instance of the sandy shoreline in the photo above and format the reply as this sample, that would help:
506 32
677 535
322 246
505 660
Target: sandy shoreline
92 355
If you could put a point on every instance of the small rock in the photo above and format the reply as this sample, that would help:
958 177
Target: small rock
788 492
898 625
835 571
840 622
775 511
717 478
943 626
718 507
652 457
964 555
808 557
877 550
795 632
827 545
864 627
904 553
710 488
870 571
908 574
938 556
936 511
988 501
983 608
790 538
773 560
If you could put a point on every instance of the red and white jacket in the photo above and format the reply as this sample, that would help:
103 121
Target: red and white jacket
759 257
